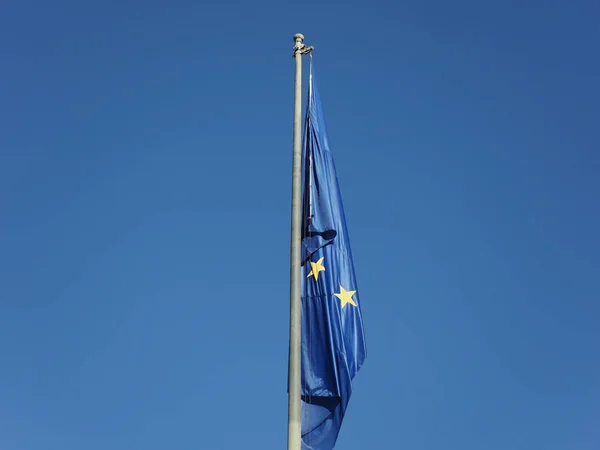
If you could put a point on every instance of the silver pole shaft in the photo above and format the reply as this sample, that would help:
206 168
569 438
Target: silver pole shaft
294 411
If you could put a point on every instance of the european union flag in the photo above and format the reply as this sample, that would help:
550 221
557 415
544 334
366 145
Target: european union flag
333 344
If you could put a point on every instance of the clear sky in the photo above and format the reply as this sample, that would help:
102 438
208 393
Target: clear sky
145 162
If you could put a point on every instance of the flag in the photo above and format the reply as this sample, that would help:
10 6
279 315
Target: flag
333 343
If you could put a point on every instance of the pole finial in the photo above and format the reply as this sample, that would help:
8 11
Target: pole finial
300 47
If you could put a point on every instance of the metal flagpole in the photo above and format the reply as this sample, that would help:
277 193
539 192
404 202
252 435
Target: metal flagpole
294 377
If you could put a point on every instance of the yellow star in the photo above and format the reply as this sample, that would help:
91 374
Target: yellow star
316 268
346 297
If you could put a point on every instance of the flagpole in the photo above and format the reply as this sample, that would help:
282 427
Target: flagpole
294 373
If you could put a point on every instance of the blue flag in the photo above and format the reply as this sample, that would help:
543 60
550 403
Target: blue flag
333 344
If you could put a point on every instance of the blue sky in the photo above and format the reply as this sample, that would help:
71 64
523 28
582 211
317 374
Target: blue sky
145 162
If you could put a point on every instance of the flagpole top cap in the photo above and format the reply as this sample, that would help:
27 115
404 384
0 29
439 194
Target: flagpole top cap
298 37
